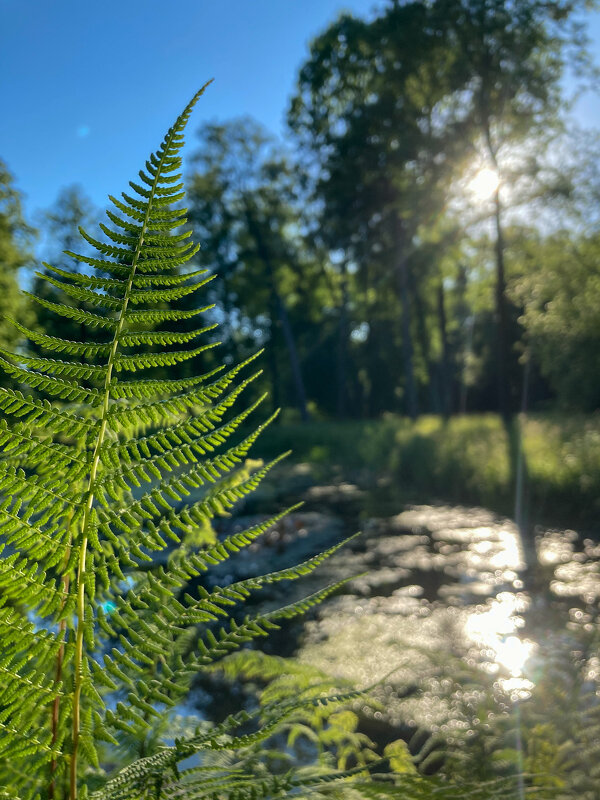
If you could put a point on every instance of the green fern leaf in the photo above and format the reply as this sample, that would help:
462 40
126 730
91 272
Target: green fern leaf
99 640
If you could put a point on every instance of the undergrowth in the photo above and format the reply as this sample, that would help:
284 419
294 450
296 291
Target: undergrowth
469 459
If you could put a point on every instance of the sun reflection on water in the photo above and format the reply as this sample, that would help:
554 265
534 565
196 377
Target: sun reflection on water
493 629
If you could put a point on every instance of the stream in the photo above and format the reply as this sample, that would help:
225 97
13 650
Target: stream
440 601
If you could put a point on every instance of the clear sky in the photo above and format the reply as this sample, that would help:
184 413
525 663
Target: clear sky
88 88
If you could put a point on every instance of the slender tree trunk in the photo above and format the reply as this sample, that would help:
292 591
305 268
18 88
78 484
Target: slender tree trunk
467 351
464 341
412 407
272 355
423 337
446 376
293 355
515 429
228 306
501 314
501 303
281 311
522 520
521 467
342 349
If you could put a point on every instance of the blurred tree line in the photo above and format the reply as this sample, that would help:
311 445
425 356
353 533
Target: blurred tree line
429 230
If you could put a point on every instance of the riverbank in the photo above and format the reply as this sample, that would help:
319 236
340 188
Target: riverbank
469 459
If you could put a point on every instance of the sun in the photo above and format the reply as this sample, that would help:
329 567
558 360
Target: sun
484 183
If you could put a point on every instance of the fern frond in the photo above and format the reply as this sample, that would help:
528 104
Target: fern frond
43 414
57 345
221 739
65 389
166 295
62 368
189 432
168 358
163 337
131 471
174 406
77 314
100 640
150 316
165 279
83 279
19 442
89 296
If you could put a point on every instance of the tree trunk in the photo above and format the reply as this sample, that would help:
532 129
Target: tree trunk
465 335
520 473
272 356
522 482
446 376
342 350
281 311
412 407
467 352
501 314
502 348
423 338
293 355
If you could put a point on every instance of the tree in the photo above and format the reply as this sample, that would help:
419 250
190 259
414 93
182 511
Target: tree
559 291
390 113
16 238
244 205
60 227
512 56
376 109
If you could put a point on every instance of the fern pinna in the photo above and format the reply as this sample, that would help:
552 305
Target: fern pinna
100 470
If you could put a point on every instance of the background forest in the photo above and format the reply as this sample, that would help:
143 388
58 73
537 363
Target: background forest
426 241
419 257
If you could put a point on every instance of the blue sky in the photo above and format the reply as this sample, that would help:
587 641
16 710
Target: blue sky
88 89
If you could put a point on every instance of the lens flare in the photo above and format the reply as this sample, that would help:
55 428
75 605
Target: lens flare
484 183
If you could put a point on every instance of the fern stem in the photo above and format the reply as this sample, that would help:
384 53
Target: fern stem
56 702
80 608
62 630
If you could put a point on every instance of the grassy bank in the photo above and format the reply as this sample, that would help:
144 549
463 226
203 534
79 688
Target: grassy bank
468 459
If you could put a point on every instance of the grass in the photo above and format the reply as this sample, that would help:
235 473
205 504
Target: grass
469 459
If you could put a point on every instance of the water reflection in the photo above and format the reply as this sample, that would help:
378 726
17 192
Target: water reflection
477 659
493 630
442 600
513 653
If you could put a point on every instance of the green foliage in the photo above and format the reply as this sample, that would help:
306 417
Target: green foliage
383 170
60 226
327 733
467 459
15 244
394 112
552 737
559 290
245 207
